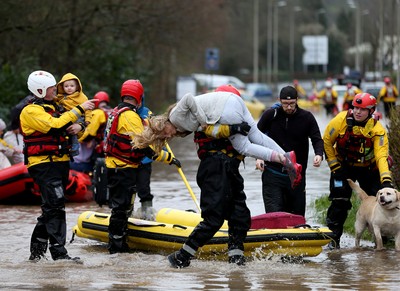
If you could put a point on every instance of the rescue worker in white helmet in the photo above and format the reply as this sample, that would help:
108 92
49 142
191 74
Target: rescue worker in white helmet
357 148
47 155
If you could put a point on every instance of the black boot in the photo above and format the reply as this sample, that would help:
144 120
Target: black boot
337 231
118 245
38 251
239 260
334 244
180 259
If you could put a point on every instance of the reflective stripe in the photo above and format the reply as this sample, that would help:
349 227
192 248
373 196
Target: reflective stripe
189 249
235 252
215 130
117 236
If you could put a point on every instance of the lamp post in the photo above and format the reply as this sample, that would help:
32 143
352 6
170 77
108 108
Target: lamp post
381 38
255 41
358 36
292 22
269 42
319 11
276 37
365 12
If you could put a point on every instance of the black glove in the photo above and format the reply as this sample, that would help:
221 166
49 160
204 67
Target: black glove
175 162
387 184
242 128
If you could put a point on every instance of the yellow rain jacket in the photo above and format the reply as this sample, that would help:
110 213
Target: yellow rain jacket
329 96
388 94
129 122
35 119
70 101
374 134
98 119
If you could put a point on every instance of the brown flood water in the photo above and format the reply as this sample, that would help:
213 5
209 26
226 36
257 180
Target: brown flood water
347 269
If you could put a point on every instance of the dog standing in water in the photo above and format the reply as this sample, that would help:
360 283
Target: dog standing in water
381 214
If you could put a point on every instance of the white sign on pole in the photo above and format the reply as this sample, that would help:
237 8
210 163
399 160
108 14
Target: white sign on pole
316 50
185 85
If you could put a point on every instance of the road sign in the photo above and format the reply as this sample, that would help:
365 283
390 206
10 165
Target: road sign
316 50
212 59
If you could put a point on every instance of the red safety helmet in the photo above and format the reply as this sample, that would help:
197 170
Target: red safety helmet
132 88
364 100
101 96
228 88
386 80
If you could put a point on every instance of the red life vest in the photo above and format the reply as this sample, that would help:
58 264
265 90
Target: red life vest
119 145
56 143
354 148
208 145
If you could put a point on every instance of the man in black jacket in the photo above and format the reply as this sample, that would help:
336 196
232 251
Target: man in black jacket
290 127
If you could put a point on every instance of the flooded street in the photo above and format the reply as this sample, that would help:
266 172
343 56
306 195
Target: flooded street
346 269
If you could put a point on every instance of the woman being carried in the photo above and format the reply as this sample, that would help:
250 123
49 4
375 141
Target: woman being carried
208 112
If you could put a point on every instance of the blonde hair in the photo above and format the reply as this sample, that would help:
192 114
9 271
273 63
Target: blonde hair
152 134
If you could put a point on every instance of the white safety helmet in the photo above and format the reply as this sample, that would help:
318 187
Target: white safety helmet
328 84
39 81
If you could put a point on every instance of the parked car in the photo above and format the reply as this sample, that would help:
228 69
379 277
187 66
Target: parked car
208 82
259 90
373 88
202 83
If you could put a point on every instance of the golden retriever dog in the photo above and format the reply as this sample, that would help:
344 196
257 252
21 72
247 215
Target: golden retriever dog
381 214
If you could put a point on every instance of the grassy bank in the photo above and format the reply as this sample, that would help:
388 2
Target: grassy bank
321 205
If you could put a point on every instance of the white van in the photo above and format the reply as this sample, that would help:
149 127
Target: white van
202 83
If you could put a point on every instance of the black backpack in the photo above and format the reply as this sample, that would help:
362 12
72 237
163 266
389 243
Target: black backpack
16 111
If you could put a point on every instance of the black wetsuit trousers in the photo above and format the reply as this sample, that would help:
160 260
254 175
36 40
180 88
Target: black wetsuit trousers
52 178
222 197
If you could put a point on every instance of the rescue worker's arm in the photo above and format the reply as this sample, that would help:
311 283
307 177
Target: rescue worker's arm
329 138
40 120
301 91
334 95
130 122
6 149
321 94
165 157
98 118
381 152
395 91
382 93
224 130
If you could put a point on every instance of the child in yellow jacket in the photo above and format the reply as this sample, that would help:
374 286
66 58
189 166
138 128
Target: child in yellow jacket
70 94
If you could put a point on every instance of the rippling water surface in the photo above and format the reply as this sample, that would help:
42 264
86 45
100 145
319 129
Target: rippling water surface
347 269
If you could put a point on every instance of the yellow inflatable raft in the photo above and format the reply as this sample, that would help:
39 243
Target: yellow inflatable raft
172 227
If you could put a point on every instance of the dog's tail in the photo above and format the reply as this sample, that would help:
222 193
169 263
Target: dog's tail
356 188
